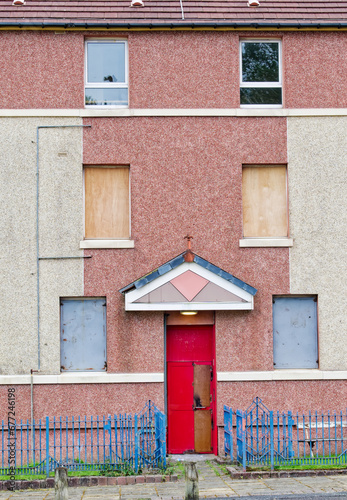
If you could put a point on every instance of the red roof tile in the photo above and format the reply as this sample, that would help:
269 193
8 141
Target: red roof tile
119 12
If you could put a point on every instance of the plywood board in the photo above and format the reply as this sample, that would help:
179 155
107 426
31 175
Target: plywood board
264 200
202 431
107 202
202 383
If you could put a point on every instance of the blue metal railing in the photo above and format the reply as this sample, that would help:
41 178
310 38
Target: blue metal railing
103 443
264 437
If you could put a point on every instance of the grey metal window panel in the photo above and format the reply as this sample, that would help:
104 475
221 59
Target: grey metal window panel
83 334
295 332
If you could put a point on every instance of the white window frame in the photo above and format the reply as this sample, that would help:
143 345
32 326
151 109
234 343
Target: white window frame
104 85
262 84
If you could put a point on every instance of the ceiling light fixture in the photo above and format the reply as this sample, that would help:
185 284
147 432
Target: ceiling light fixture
137 3
253 3
18 3
188 313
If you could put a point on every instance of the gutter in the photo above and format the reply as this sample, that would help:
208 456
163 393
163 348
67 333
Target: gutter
177 25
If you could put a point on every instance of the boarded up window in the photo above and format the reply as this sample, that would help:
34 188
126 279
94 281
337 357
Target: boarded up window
83 334
107 202
295 332
264 196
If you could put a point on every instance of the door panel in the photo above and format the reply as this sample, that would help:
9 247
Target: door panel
202 408
189 388
202 383
202 431
180 409
189 343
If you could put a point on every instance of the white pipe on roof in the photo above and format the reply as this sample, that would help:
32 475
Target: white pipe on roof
182 9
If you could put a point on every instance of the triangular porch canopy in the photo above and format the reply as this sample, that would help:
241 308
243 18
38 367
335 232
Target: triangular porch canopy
188 283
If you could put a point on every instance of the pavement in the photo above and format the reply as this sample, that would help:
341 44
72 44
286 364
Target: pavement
213 483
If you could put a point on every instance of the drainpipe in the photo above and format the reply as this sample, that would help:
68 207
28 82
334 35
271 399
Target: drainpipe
37 231
32 410
165 369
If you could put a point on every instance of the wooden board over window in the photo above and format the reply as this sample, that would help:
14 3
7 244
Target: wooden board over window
264 198
107 202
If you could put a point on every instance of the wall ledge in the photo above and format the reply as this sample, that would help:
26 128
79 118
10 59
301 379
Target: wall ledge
265 242
136 112
83 378
158 377
278 375
107 244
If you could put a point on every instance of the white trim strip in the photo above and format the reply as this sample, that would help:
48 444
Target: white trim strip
281 375
126 112
84 378
265 242
145 378
107 244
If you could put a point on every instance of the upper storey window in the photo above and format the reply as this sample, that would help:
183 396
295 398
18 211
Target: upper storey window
261 79
106 73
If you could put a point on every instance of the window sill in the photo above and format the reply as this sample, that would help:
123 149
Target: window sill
107 244
261 106
106 106
265 242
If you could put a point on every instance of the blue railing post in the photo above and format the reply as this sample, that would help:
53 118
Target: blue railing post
47 446
244 450
163 439
240 437
290 435
231 443
272 439
136 451
228 432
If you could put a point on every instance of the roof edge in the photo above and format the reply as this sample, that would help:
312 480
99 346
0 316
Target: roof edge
187 256
177 26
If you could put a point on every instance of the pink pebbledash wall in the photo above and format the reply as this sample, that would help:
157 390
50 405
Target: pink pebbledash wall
294 395
169 69
82 399
186 177
103 399
41 70
315 69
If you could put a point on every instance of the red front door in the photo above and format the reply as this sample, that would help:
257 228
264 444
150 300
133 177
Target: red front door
190 387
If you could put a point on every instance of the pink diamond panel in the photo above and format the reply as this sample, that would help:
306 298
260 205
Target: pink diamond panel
189 284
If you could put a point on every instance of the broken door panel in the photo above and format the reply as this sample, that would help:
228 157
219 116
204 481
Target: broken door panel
202 431
202 383
202 407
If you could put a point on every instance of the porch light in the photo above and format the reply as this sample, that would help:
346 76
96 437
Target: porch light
188 313
253 3
18 3
137 3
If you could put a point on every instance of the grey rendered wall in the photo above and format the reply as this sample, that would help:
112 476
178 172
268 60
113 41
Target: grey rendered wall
61 229
317 166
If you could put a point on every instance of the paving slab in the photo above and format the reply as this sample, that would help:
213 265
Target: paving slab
213 483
